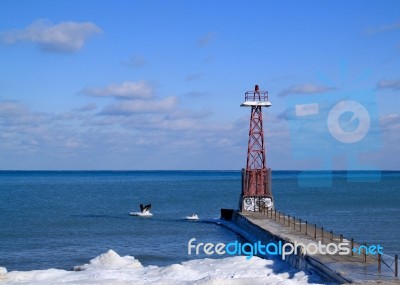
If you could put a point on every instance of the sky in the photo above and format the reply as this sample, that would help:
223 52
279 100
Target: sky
157 85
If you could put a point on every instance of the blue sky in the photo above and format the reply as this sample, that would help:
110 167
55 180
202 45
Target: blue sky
158 84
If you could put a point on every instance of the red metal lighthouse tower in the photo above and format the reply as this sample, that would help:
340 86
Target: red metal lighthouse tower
256 178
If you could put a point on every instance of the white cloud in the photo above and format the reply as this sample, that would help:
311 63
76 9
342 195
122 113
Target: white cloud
393 84
383 28
13 113
12 108
390 124
127 90
65 37
307 109
305 89
178 124
129 107
189 114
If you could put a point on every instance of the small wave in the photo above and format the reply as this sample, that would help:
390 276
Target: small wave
99 216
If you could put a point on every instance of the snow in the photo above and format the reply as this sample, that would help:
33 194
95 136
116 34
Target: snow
110 268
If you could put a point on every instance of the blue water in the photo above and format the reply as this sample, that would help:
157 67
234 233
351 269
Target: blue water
62 219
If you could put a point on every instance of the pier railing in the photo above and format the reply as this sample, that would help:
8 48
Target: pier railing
361 252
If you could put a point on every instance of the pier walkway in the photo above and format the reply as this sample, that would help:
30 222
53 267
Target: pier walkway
355 267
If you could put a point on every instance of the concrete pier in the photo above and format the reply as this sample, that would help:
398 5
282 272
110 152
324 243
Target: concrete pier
276 227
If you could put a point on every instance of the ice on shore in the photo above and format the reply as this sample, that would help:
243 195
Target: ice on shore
110 268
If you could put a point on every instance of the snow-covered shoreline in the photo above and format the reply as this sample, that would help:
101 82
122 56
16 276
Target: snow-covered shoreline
110 268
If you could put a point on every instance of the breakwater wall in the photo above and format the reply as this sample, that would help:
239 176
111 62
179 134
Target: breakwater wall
254 233
255 227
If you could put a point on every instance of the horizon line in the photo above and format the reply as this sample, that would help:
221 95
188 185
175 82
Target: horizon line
192 170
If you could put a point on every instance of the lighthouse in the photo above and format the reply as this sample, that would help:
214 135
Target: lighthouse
256 177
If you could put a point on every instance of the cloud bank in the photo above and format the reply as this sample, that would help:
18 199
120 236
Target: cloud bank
393 84
65 37
117 137
141 106
305 89
124 90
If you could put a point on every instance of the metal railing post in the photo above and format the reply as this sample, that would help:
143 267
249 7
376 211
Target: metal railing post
289 221
306 227
396 265
300 224
365 253
379 262
315 231
352 246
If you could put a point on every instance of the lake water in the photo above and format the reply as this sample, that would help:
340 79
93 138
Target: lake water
61 219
